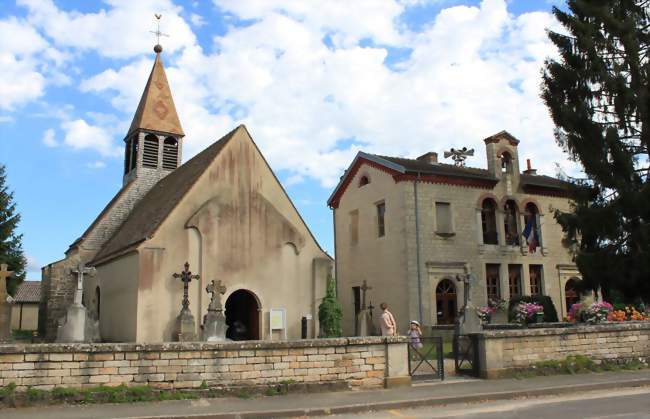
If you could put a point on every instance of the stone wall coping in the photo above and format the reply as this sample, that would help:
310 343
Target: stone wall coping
197 346
581 328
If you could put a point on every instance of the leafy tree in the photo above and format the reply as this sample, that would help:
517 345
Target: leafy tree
11 250
598 96
330 312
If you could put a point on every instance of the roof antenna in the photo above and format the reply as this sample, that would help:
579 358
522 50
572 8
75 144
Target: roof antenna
459 156
158 48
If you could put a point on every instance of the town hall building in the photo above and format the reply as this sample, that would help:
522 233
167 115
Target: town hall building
223 211
409 227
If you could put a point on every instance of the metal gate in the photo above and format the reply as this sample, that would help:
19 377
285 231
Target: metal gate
426 359
466 355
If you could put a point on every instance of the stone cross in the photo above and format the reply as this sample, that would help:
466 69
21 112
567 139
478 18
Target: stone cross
5 273
186 276
467 280
364 288
80 271
215 288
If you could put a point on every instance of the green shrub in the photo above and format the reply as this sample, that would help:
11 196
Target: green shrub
550 313
330 313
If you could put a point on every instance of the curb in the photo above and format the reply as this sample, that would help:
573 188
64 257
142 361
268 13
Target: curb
406 404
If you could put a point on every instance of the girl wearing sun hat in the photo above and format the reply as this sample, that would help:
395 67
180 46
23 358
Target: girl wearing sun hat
415 334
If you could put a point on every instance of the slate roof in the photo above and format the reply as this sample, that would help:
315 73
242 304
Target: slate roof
155 206
156 110
543 181
28 292
417 166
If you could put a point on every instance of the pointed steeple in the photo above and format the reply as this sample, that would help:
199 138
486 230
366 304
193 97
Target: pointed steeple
156 111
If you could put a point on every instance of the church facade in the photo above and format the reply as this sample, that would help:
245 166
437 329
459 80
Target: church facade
408 227
223 211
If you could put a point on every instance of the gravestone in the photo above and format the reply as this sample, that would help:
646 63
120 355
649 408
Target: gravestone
78 325
214 323
364 318
5 306
185 325
468 321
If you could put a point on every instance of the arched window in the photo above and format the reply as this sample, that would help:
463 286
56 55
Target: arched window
506 162
170 153
364 181
150 151
510 223
489 221
531 229
571 294
446 302
134 151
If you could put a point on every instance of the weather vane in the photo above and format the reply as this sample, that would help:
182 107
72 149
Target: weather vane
459 156
158 47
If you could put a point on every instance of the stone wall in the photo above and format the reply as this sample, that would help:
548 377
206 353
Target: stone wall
502 351
361 362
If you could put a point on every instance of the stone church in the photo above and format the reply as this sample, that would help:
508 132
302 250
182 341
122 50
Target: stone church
223 211
408 227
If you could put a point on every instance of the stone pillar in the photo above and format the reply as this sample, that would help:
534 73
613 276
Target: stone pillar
525 280
504 281
397 367
501 229
479 227
542 244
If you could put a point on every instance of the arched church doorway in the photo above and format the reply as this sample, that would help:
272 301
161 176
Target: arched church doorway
242 316
571 294
446 302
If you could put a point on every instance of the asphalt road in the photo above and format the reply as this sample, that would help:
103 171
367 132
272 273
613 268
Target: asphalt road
618 404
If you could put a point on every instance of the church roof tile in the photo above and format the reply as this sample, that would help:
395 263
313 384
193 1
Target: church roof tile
155 206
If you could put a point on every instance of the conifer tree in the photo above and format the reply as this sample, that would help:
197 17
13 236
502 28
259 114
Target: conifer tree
330 313
11 250
598 95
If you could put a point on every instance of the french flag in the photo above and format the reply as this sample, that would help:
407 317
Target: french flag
530 234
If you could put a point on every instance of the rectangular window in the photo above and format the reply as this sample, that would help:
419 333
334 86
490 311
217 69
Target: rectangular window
492 281
354 227
535 273
514 280
443 218
381 227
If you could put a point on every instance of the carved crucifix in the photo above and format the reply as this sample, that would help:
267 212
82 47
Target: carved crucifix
467 280
186 276
5 273
81 270
364 288
215 288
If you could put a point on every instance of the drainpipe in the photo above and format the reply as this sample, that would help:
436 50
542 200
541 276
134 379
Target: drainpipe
417 247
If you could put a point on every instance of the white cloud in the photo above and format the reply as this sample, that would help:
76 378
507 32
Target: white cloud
20 80
32 265
471 72
48 138
197 20
81 136
98 164
121 31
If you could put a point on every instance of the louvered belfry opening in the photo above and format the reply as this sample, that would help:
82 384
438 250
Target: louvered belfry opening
127 157
170 153
150 151
134 152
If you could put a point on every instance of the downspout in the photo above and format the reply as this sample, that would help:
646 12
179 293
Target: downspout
417 248
336 257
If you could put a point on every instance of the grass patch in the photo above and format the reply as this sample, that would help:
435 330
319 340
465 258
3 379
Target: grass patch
8 390
578 364
245 394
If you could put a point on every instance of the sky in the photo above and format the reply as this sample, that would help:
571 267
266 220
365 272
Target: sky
315 81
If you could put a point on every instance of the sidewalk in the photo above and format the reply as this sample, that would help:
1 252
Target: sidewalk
293 405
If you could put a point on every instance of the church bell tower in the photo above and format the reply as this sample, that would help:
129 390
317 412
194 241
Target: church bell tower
153 144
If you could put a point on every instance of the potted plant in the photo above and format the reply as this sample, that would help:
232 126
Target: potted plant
485 314
499 310
539 317
525 313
